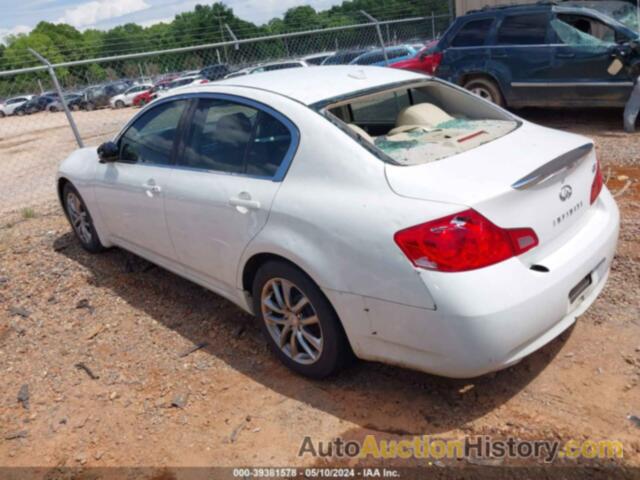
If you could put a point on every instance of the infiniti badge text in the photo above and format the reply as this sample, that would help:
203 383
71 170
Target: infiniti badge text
561 218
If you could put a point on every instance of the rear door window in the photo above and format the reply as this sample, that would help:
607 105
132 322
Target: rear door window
524 29
473 33
235 138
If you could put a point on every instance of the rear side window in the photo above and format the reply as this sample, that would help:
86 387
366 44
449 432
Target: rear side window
523 29
473 33
235 138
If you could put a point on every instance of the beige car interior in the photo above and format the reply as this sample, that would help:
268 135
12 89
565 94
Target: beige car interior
432 130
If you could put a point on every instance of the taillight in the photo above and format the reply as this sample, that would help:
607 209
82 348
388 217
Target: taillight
596 186
437 58
463 241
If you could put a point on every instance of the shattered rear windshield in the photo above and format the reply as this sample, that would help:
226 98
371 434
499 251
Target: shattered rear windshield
422 144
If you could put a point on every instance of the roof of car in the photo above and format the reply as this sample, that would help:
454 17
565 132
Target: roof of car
524 7
315 84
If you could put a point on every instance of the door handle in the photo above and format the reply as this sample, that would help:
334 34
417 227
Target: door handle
499 55
243 200
565 55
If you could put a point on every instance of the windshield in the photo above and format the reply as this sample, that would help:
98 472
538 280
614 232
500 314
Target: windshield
621 11
581 33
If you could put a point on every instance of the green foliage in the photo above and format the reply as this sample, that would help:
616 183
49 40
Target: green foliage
203 25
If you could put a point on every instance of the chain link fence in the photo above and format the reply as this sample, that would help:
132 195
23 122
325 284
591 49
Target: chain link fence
35 135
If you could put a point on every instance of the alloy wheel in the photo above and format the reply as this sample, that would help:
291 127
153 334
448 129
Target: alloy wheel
482 93
292 321
79 217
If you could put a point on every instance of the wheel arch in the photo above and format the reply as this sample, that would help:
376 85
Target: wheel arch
253 264
62 181
468 76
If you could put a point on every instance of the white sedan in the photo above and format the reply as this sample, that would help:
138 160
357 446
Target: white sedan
125 99
8 107
358 210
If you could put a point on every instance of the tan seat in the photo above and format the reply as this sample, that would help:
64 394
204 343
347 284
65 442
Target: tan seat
423 115
360 132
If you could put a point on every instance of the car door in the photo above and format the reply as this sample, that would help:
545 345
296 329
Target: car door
582 56
521 55
231 161
130 191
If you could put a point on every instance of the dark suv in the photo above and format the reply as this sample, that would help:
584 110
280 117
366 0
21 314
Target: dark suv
98 96
215 72
539 55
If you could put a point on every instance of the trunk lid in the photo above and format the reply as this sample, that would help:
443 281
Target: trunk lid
486 179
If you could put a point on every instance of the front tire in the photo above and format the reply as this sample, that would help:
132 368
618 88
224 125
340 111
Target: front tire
80 219
120 104
485 88
300 325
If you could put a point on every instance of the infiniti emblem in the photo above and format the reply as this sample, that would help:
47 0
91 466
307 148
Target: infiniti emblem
565 192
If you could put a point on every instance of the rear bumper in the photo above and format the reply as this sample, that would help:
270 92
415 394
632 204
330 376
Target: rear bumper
491 318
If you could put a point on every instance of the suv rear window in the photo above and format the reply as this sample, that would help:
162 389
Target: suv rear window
524 29
473 33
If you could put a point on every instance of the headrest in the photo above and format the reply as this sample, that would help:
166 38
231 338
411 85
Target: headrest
422 114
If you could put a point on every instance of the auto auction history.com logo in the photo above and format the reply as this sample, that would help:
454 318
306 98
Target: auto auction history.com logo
433 448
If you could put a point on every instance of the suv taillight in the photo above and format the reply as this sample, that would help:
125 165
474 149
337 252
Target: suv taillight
435 63
463 241
596 186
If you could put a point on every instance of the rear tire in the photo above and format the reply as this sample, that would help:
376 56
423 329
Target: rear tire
80 219
300 324
90 107
20 113
120 104
485 88
2 115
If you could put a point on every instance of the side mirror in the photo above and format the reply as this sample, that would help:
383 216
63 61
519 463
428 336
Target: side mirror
108 152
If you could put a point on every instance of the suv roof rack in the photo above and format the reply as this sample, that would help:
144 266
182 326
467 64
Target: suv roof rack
488 8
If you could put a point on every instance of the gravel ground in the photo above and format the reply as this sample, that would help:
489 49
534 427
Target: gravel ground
102 343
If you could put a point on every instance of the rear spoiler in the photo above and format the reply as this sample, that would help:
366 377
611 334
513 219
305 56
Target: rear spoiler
566 161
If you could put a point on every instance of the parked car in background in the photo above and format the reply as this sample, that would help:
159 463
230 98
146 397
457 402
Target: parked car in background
35 105
215 72
239 73
76 102
425 61
181 82
377 57
343 57
317 58
9 106
56 105
281 65
99 95
313 186
125 99
549 54
268 67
